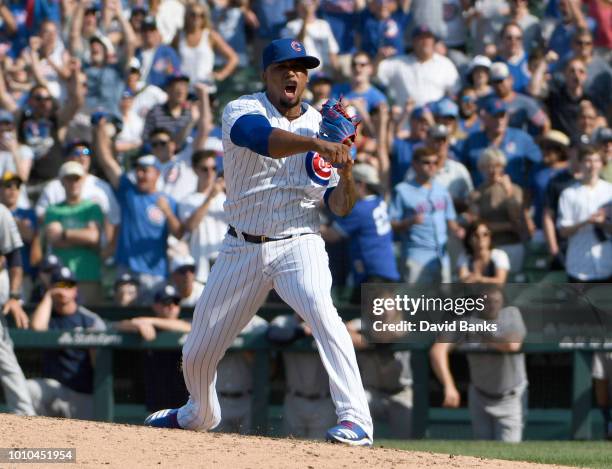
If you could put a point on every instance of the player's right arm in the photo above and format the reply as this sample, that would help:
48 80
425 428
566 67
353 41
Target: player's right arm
248 127
438 354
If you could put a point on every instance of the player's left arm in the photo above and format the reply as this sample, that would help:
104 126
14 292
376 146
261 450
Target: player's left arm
341 199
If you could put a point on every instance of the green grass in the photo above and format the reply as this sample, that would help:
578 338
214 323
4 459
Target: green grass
596 454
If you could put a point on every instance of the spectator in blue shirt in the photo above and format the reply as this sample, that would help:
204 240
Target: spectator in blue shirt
360 86
570 21
148 217
520 149
369 230
382 26
422 213
513 54
469 121
341 16
524 112
158 60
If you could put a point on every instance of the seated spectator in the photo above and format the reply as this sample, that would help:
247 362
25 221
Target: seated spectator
422 214
164 383
360 86
175 114
468 111
235 383
524 112
49 264
202 213
555 150
478 76
564 98
499 203
66 388
177 179
381 26
513 54
182 276
308 409
424 75
26 223
497 396
159 61
125 290
197 45
520 150
316 35
369 231
482 263
585 211
94 190
73 229
142 240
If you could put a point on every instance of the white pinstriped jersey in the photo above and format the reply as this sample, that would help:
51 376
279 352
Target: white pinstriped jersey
267 196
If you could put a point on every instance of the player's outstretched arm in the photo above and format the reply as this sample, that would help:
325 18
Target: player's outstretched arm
253 131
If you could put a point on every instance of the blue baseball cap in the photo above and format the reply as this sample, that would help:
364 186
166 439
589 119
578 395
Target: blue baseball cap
446 108
148 160
422 30
495 106
63 274
282 50
420 111
50 263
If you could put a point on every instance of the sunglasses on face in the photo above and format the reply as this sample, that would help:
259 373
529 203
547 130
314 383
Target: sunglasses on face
482 234
64 285
159 143
170 301
583 43
206 169
40 97
428 162
513 38
468 99
360 64
12 185
185 270
80 152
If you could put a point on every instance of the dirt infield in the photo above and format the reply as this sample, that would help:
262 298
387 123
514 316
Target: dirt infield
128 446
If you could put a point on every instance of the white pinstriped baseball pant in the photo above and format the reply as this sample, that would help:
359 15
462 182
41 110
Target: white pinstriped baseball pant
298 269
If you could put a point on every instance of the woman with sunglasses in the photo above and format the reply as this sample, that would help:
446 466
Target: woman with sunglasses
197 46
482 263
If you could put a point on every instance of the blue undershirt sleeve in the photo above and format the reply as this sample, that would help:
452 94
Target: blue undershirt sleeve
253 132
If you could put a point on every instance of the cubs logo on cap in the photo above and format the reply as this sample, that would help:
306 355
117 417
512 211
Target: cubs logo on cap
283 50
319 170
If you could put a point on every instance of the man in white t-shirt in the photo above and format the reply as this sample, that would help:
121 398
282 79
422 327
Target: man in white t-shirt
202 213
585 218
315 33
423 75
94 189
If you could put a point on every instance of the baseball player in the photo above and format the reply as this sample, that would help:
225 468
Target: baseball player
277 170
308 409
11 377
498 389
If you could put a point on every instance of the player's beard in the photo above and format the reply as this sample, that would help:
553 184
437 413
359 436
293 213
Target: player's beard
287 103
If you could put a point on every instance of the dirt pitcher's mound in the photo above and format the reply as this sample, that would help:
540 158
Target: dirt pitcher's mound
128 446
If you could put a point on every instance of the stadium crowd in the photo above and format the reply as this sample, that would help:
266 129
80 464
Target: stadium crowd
484 137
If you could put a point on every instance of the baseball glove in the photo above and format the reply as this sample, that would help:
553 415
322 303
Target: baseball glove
337 125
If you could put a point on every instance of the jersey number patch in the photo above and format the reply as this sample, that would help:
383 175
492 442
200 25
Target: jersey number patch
319 170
